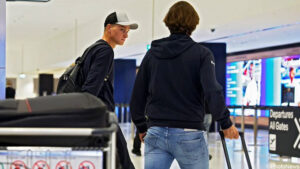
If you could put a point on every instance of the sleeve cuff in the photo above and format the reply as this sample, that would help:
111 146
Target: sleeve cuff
142 128
225 123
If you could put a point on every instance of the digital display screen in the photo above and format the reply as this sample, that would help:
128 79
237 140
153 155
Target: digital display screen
263 80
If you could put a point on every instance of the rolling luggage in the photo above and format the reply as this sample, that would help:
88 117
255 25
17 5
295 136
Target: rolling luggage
244 149
65 110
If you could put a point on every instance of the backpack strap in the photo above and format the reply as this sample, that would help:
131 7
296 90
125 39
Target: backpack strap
109 72
81 59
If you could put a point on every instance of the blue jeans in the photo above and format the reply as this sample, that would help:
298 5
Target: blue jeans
164 144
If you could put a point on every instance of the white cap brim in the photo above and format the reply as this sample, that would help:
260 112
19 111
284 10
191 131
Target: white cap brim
131 25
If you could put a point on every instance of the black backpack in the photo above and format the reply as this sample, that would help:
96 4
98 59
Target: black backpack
72 79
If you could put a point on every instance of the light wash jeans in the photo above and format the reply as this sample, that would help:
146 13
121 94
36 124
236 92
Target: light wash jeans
164 144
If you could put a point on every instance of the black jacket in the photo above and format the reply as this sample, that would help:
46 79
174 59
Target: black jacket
98 80
175 77
98 73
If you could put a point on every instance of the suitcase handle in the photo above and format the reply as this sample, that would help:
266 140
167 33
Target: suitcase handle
244 149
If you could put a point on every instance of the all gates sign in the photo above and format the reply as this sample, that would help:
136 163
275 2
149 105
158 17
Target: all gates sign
284 131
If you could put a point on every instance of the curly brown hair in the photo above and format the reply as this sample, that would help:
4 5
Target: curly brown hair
182 18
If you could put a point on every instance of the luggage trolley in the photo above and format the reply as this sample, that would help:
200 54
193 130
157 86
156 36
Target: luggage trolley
109 150
88 129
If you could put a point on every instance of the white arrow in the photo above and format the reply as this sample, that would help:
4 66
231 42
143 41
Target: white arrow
298 138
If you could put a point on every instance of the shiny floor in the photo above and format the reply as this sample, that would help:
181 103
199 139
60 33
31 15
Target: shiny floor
259 154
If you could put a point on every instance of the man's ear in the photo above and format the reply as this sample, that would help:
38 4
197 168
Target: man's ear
108 27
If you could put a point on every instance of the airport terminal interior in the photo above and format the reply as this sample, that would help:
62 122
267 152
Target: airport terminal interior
256 45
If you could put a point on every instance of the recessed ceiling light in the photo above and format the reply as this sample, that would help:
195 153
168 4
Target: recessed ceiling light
22 75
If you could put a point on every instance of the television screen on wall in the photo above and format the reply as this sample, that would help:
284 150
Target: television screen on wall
264 77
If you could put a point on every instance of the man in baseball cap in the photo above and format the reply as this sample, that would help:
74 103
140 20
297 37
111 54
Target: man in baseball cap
98 71
117 26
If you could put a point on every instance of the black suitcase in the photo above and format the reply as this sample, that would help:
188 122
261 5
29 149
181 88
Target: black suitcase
244 149
74 110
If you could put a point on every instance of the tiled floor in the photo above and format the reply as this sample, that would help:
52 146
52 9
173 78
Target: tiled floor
259 154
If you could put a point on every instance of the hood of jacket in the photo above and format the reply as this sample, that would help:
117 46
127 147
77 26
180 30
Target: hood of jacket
172 46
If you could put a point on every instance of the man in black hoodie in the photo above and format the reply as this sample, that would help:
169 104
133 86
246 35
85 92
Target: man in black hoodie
175 78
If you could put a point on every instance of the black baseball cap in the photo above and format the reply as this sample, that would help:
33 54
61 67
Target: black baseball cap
119 18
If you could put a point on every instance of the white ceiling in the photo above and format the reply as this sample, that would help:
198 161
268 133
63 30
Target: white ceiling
242 24
31 22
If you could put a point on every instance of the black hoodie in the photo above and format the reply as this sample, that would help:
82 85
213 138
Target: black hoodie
175 77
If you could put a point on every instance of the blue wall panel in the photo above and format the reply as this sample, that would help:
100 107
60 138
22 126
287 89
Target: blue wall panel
219 52
124 73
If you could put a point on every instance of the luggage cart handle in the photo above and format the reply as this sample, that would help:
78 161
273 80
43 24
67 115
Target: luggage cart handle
36 131
244 149
15 131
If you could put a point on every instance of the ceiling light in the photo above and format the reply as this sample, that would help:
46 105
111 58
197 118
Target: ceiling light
22 76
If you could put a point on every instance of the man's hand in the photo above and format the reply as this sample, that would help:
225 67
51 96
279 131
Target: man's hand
142 135
231 133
